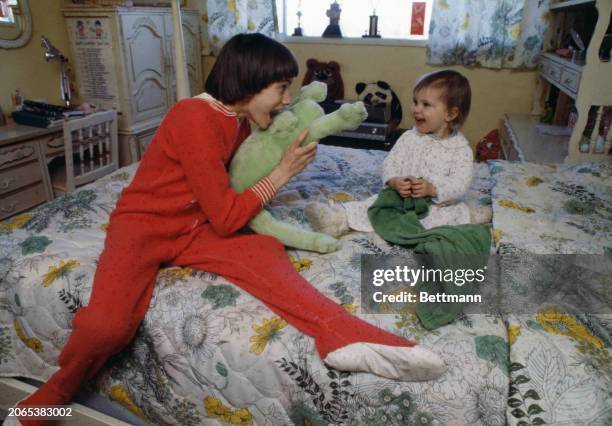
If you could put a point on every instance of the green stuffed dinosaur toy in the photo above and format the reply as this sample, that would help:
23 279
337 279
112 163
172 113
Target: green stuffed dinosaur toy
263 150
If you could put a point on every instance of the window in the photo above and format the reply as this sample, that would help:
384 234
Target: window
397 19
6 11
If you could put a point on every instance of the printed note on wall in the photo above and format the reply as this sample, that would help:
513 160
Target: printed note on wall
93 61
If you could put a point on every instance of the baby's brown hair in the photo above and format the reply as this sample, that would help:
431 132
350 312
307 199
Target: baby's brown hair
456 91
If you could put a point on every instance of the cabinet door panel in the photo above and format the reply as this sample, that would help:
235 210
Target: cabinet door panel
146 65
191 39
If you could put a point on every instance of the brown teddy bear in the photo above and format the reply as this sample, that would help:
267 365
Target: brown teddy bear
328 73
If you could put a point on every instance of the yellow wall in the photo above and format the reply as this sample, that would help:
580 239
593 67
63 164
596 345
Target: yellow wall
25 68
493 92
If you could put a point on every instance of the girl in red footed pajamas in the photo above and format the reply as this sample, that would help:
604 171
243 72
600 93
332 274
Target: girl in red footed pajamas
180 210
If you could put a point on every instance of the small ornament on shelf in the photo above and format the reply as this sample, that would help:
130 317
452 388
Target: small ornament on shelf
17 100
333 29
373 28
297 31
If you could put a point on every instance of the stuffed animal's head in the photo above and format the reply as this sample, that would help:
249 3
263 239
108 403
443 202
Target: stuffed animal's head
374 93
489 147
379 94
264 148
328 73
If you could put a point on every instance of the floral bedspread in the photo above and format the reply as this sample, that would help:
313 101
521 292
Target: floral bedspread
561 361
548 209
209 353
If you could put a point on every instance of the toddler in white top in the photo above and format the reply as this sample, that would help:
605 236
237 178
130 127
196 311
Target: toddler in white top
431 159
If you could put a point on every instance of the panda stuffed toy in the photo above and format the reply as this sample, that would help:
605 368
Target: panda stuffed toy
380 94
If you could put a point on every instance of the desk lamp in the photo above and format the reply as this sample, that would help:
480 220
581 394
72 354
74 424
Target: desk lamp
53 54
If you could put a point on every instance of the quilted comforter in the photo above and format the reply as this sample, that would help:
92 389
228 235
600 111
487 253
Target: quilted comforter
209 353
561 364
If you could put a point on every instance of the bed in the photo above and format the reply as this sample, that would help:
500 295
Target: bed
551 208
560 353
209 353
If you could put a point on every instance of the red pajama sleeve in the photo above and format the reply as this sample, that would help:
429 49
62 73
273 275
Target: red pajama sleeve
203 141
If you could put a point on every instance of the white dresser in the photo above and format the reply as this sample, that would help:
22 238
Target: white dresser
122 58
24 177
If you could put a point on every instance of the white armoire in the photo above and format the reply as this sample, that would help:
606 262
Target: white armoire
122 59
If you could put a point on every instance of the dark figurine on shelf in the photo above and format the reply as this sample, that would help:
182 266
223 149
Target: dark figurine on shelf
333 29
373 29
297 31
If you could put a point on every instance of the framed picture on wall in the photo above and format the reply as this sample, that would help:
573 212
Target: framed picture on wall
417 24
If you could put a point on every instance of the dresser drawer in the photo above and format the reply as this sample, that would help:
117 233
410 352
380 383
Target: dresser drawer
19 177
52 145
552 70
18 154
570 79
23 200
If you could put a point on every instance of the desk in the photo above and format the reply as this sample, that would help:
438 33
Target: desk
24 175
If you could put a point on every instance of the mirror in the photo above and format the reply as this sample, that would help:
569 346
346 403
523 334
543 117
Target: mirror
19 32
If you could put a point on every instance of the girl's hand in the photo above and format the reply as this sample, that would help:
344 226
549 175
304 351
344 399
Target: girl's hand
294 160
401 185
422 188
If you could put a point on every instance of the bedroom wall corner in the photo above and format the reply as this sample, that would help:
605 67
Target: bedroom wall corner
25 68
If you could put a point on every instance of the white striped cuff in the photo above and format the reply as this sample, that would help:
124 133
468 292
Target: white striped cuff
264 189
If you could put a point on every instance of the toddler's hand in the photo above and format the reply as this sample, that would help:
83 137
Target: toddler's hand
402 185
423 188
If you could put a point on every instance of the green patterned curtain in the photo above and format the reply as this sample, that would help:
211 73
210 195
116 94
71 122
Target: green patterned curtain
227 18
489 33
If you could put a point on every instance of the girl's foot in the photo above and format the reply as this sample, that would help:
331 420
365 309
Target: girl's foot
393 362
480 215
